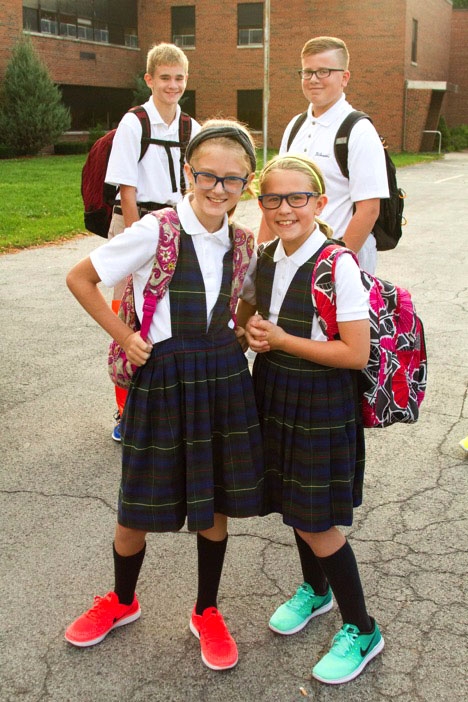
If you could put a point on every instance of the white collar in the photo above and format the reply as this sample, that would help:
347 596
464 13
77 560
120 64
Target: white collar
310 246
193 226
155 117
331 115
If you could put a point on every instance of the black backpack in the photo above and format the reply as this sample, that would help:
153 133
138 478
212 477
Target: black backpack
99 196
387 228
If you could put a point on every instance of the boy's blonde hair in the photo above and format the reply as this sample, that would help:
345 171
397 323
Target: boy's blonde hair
300 164
318 45
165 55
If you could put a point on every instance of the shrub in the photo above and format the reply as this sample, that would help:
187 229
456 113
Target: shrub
459 137
70 147
95 133
453 138
32 115
6 151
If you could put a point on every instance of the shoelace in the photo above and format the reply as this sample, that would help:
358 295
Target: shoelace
299 599
96 611
345 639
214 628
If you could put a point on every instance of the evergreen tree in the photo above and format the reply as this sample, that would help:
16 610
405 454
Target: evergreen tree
141 92
32 115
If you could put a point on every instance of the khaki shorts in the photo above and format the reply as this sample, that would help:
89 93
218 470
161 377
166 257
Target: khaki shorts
117 226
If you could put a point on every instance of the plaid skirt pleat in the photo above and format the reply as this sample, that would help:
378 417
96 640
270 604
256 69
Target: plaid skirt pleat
191 439
313 446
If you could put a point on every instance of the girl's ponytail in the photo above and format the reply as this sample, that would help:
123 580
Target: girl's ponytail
324 228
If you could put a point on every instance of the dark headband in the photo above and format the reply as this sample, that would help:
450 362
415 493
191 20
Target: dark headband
229 132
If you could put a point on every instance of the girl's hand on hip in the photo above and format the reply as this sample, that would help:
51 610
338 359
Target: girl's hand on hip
137 350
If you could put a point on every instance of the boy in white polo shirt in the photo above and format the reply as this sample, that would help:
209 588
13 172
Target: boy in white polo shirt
324 76
153 182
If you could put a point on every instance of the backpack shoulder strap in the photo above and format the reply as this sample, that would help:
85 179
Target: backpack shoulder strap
164 264
295 128
143 116
244 243
185 132
323 287
185 129
342 138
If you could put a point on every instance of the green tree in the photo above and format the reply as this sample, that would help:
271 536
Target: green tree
460 3
141 92
32 114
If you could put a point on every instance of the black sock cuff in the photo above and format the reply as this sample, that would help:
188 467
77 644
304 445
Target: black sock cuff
135 558
203 543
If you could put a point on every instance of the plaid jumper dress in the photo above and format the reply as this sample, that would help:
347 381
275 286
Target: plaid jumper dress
313 443
191 437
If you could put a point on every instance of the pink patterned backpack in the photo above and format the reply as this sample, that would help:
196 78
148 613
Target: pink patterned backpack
393 384
120 369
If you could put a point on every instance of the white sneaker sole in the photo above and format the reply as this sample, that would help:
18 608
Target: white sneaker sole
338 681
195 632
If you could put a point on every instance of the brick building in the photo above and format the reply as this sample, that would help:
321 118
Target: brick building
405 57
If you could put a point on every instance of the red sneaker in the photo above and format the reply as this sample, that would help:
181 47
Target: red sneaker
218 648
106 614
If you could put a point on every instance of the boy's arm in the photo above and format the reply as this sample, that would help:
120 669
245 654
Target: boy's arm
361 223
128 202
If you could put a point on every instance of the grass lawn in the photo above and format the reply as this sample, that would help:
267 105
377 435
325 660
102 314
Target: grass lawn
40 198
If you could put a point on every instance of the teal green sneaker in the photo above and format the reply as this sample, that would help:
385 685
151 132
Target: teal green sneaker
351 651
293 615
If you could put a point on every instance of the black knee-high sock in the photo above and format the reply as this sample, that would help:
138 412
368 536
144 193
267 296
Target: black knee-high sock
210 566
311 569
126 572
343 575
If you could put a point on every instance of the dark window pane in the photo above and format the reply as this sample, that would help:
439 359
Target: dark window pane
250 15
250 108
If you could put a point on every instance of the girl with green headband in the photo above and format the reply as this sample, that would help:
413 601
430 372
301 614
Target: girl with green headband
304 385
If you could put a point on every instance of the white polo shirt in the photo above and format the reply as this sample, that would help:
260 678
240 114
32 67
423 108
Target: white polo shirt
366 161
132 252
150 176
352 302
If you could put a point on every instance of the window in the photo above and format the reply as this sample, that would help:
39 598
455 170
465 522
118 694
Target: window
183 26
48 23
67 26
250 24
250 108
103 21
85 29
131 37
30 19
101 32
414 42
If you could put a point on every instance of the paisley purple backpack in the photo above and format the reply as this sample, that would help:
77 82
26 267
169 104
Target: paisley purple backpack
393 384
120 369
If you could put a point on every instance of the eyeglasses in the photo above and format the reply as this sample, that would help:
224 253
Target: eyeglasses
207 181
272 201
320 73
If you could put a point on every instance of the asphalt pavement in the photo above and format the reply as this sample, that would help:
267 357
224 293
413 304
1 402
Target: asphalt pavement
59 480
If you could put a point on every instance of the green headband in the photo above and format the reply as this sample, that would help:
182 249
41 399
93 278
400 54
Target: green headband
303 162
216 132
